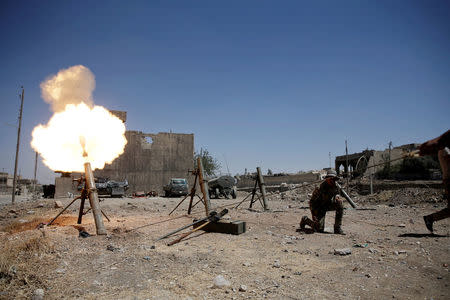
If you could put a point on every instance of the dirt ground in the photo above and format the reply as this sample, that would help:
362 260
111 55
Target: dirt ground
392 253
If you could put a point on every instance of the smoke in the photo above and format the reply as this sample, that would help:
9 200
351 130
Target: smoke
70 86
78 131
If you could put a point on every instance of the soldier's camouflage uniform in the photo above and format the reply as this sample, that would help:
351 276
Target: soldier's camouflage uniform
322 200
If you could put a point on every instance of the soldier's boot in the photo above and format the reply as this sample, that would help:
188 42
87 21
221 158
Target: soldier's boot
306 221
442 214
338 230
428 222
303 222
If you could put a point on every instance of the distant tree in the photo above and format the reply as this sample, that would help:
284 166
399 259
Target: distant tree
269 172
210 164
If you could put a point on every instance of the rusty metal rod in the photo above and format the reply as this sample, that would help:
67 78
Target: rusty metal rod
80 213
193 191
187 233
63 210
181 228
103 213
83 199
179 204
212 218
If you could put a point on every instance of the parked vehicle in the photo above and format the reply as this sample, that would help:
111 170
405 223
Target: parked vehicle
106 187
222 186
111 188
176 187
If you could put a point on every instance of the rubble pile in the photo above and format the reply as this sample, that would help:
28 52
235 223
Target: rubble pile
293 192
404 196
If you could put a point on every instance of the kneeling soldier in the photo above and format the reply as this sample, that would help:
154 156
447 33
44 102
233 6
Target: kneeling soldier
325 198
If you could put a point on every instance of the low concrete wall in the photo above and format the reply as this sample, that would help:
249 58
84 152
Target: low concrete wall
65 185
246 182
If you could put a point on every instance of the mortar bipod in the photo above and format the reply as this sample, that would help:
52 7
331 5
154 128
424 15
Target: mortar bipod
259 182
199 177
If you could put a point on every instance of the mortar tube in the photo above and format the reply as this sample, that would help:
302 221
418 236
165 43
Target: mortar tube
93 200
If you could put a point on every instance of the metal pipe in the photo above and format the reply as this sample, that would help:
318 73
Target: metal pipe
93 200
64 209
181 228
212 218
346 196
193 192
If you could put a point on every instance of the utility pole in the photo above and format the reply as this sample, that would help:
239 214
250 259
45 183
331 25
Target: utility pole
34 178
226 163
17 147
371 174
346 161
329 156
389 162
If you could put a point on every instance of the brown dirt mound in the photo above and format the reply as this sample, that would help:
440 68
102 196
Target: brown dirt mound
33 224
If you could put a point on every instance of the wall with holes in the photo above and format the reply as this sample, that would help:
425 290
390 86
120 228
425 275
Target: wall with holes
150 160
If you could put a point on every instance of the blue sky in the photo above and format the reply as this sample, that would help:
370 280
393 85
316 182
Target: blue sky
276 84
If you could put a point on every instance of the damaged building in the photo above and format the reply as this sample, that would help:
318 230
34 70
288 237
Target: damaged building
148 162
360 163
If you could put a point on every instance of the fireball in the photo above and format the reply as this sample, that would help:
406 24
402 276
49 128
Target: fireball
78 131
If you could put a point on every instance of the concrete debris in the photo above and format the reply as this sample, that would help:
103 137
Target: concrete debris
276 264
96 282
242 288
112 248
220 282
343 252
58 204
38 294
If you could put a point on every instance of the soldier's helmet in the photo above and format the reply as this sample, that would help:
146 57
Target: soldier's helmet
331 173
